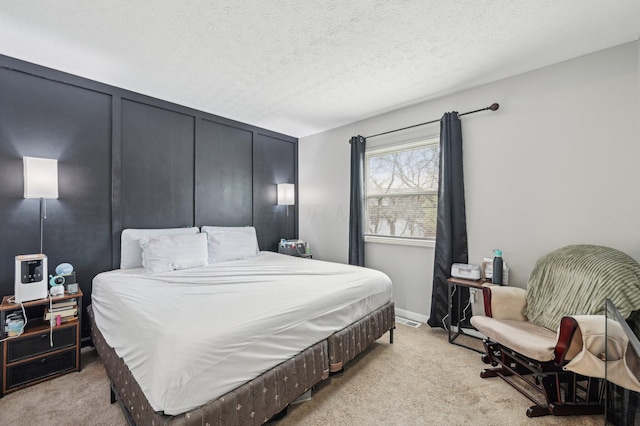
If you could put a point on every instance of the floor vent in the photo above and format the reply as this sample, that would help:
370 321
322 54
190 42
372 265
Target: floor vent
408 322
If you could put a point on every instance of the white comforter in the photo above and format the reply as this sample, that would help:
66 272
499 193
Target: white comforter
190 336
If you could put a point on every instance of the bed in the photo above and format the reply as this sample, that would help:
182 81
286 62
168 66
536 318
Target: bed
231 338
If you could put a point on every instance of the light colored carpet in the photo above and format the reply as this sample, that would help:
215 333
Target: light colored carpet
73 399
419 380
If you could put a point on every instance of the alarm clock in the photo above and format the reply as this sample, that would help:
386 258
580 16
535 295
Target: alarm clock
56 280
57 285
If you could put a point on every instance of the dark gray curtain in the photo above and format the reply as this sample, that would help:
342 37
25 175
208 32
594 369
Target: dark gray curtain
451 228
356 211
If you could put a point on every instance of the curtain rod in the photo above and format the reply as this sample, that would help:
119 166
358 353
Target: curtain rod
493 107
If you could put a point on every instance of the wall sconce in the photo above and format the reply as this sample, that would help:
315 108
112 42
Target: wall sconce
40 181
286 194
286 197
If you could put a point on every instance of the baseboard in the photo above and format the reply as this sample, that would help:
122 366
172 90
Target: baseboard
411 315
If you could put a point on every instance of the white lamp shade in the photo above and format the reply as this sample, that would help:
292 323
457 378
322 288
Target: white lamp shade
286 194
40 177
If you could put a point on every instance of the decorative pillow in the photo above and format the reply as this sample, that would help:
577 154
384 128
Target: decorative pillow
231 243
170 252
130 250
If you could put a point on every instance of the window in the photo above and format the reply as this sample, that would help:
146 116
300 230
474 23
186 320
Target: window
401 190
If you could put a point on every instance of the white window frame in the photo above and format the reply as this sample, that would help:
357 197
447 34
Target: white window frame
406 241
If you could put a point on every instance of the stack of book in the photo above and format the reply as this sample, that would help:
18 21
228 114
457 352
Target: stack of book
62 311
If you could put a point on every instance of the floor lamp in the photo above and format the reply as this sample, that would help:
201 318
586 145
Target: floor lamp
286 197
40 181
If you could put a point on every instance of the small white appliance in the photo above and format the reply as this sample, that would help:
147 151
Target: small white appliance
463 270
31 277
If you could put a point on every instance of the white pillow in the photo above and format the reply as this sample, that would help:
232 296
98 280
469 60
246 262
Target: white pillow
130 250
231 243
170 252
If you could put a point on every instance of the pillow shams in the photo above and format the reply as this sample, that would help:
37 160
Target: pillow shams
130 250
170 252
231 243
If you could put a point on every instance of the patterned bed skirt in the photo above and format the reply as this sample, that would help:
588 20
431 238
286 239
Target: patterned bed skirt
257 401
347 343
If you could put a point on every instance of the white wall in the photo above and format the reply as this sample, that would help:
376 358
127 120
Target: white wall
557 164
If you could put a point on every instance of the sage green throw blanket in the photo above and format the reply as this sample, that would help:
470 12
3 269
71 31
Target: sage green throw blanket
577 279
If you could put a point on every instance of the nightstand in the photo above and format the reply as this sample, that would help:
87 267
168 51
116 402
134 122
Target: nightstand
297 249
29 358
454 285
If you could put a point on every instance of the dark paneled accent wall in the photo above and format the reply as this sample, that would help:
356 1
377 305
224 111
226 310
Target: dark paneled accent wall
224 175
274 161
127 160
157 167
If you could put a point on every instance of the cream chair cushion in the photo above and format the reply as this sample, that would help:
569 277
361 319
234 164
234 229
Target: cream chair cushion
523 337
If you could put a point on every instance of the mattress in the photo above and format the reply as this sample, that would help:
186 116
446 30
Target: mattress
190 336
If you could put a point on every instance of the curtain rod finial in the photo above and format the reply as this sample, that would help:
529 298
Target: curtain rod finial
494 107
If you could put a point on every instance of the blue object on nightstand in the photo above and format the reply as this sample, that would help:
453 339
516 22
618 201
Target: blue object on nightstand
64 269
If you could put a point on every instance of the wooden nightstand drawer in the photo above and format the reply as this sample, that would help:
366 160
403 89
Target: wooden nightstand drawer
40 368
26 347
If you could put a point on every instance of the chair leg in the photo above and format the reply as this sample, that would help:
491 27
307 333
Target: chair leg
595 389
564 392
494 372
574 402
576 409
571 390
538 411
496 358
491 355
550 386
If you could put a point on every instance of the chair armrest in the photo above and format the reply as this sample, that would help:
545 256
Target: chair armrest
597 336
502 302
569 340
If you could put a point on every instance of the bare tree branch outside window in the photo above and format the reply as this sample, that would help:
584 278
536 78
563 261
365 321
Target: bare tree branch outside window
402 190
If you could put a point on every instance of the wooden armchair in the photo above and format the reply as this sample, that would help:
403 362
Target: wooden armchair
533 334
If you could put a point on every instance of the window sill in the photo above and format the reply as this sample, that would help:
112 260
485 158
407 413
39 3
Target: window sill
399 241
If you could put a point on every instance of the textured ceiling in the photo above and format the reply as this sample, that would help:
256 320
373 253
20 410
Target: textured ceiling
302 67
